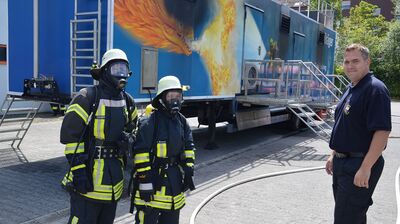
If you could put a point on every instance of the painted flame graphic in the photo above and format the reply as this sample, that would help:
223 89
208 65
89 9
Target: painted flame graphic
216 47
150 23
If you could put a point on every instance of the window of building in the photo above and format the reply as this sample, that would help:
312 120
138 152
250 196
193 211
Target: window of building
346 5
3 54
377 11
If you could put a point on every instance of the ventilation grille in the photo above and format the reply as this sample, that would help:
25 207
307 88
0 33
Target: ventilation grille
285 23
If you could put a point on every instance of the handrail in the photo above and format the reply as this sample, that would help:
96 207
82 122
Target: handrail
284 79
321 73
320 81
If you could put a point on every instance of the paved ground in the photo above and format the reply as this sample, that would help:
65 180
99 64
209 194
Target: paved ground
30 191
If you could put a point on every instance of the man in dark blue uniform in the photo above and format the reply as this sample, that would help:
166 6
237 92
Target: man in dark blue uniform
359 136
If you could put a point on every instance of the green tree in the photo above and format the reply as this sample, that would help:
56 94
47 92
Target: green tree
396 8
363 27
336 5
388 69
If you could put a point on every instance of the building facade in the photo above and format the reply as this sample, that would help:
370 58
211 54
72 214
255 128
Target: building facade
385 7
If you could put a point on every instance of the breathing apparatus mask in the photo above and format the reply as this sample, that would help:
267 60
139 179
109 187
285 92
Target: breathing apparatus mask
172 101
116 74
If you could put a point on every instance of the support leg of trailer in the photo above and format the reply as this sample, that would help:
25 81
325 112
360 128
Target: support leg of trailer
212 118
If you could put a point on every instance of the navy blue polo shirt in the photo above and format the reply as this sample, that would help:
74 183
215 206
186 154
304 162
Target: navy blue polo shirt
362 110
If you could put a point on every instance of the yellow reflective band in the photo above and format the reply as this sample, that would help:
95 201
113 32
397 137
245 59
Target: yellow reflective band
153 204
112 103
190 164
179 205
78 167
98 169
74 220
134 113
65 180
161 197
189 154
179 197
141 217
70 148
78 110
99 196
98 129
119 185
108 188
161 149
163 189
142 158
126 114
144 169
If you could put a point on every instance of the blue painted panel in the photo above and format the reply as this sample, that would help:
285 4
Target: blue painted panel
309 28
54 41
329 50
20 31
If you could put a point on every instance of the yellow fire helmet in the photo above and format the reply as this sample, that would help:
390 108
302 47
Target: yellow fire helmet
166 83
113 54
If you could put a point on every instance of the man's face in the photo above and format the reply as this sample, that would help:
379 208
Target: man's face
355 66
173 94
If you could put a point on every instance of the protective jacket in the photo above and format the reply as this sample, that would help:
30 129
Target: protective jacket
111 113
163 148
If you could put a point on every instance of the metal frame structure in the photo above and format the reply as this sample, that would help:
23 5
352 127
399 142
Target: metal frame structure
84 28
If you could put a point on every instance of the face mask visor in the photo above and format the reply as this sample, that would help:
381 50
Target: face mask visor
120 69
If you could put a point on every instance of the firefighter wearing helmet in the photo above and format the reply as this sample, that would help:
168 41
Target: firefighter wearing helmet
97 131
163 158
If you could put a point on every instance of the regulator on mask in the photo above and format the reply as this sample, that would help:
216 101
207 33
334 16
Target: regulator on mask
173 105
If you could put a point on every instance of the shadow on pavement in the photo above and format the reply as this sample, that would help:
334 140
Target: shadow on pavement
31 190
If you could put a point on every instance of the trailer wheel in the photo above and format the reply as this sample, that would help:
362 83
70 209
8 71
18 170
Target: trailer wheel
294 123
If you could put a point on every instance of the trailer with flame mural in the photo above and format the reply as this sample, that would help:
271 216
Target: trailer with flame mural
245 61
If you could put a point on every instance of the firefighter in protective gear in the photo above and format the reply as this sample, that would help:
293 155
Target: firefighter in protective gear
163 158
97 131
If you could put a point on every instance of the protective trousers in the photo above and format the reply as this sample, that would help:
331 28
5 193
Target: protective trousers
157 216
84 211
352 202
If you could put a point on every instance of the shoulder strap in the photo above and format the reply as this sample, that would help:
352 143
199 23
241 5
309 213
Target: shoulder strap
155 133
128 106
94 99
183 122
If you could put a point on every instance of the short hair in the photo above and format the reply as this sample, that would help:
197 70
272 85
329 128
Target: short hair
363 49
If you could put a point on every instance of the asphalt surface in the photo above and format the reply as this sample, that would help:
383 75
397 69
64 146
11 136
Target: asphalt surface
30 178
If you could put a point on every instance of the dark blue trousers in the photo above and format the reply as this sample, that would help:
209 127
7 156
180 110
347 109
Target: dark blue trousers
156 216
352 202
84 211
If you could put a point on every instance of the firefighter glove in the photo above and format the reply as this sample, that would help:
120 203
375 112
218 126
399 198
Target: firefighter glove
146 191
125 143
188 171
188 183
81 181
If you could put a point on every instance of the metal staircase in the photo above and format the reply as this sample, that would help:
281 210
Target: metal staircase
85 44
312 120
15 120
